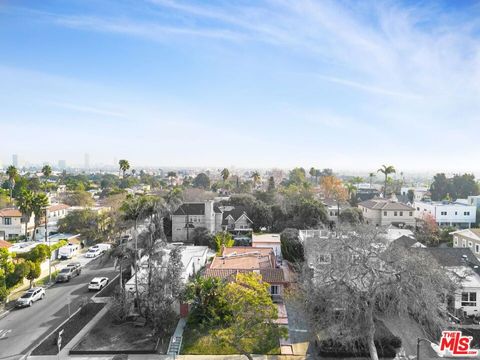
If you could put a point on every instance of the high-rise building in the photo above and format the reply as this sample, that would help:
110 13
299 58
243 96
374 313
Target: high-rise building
62 164
15 160
87 161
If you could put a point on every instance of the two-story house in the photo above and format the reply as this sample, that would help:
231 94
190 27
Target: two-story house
236 220
55 212
13 224
192 215
384 212
447 213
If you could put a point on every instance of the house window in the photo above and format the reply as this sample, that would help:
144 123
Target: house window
384 213
470 244
456 212
324 259
455 240
443 213
418 209
464 243
274 290
469 299
477 248
7 221
410 213
466 213
395 213
401 213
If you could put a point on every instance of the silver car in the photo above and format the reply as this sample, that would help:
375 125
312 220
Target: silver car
30 297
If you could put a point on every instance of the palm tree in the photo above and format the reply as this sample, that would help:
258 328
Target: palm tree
25 205
351 188
371 176
39 205
47 171
12 173
313 173
225 174
171 176
134 172
124 165
256 178
136 209
386 170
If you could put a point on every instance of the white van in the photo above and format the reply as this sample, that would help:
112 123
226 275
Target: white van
67 251
102 247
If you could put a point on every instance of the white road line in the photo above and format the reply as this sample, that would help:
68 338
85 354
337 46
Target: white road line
3 333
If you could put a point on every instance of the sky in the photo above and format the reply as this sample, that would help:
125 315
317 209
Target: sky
274 83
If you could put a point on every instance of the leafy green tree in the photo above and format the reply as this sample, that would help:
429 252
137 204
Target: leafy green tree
123 165
201 181
84 222
261 215
252 317
12 173
39 204
371 176
296 176
309 214
34 271
223 239
47 171
411 195
25 205
352 216
202 237
291 246
386 170
79 198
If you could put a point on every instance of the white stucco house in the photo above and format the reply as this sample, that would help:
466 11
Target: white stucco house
385 212
271 241
13 224
447 213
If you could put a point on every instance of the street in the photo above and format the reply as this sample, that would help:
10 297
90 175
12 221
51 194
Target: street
22 329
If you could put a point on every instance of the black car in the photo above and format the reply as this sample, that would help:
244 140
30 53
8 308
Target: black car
73 269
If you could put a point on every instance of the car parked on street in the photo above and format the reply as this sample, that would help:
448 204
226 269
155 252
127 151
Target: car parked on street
93 252
98 283
72 270
30 297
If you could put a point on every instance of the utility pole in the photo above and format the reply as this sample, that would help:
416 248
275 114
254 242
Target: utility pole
47 239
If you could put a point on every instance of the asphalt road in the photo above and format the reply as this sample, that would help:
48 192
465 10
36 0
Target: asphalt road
23 328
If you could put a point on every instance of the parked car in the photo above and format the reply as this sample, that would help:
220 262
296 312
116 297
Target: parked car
103 247
72 269
98 283
30 297
93 252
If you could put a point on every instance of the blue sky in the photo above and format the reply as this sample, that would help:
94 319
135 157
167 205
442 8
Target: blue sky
347 85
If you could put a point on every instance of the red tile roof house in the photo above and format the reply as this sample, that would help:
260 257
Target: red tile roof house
12 224
5 244
242 259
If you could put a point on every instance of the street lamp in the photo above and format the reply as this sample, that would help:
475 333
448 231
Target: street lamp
432 344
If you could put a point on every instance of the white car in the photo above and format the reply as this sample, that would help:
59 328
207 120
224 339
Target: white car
30 297
98 283
93 252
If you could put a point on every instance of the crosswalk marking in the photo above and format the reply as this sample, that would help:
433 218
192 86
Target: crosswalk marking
3 333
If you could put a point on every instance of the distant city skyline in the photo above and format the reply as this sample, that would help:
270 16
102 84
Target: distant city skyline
258 84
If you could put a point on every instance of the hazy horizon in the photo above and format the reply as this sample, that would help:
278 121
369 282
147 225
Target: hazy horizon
256 84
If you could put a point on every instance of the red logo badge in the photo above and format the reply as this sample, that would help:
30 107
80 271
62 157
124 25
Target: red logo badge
452 343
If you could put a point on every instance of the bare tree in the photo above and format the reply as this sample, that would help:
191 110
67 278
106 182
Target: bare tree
353 278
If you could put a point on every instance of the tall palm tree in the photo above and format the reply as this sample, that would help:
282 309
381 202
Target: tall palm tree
225 174
256 178
137 209
386 170
371 176
39 205
47 171
124 165
25 205
12 173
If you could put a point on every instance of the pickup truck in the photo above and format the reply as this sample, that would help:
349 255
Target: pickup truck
73 269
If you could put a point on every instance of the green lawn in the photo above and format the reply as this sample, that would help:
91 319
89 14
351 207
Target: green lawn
198 341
